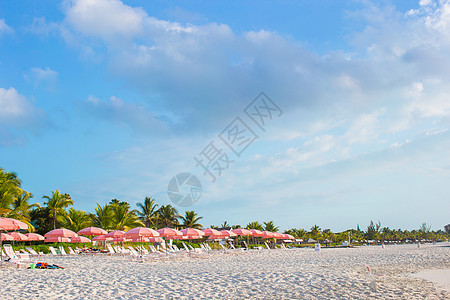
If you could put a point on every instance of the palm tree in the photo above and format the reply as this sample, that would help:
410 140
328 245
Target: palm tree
190 220
103 216
57 203
167 216
74 220
123 218
254 225
315 231
10 186
148 212
225 225
21 209
269 226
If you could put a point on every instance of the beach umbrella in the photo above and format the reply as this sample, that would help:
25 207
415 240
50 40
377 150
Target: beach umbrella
242 231
256 233
267 234
19 236
278 235
80 239
155 240
7 224
6 237
228 233
56 239
116 234
288 237
12 224
210 231
61 232
101 238
34 236
192 232
89 231
141 232
166 232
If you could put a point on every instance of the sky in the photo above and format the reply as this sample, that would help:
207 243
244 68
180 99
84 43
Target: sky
332 113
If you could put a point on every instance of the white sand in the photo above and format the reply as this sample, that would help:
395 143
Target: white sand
440 277
275 274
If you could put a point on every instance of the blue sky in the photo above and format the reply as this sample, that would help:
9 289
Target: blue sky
110 99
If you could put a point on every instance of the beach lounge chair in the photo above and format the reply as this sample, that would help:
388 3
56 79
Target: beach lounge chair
62 251
52 250
16 258
267 246
32 252
111 250
71 252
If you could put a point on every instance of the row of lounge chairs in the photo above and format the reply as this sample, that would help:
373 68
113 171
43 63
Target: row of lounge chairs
165 251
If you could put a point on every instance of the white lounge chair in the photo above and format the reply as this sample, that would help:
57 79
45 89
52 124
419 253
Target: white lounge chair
14 258
53 251
62 251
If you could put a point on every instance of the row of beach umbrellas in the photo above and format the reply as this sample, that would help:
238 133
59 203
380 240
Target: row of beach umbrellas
142 234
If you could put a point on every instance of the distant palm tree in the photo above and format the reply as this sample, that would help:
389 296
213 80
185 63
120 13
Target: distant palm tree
167 216
315 231
269 226
254 225
103 216
148 212
190 220
123 218
74 220
225 225
57 203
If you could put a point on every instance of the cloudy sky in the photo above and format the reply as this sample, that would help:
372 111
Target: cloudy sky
107 99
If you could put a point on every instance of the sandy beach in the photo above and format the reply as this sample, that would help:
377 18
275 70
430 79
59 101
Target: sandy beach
276 274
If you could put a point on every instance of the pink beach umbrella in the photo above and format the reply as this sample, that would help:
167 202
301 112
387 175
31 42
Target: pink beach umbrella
210 231
80 239
61 232
12 224
34 236
56 239
89 231
242 231
256 233
19 236
267 234
6 237
288 237
278 235
102 238
155 240
116 234
141 232
192 232
228 233
166 232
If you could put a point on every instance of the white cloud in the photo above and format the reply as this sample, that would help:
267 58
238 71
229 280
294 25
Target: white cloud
46 77
116 110
18 116
4 28
14 107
